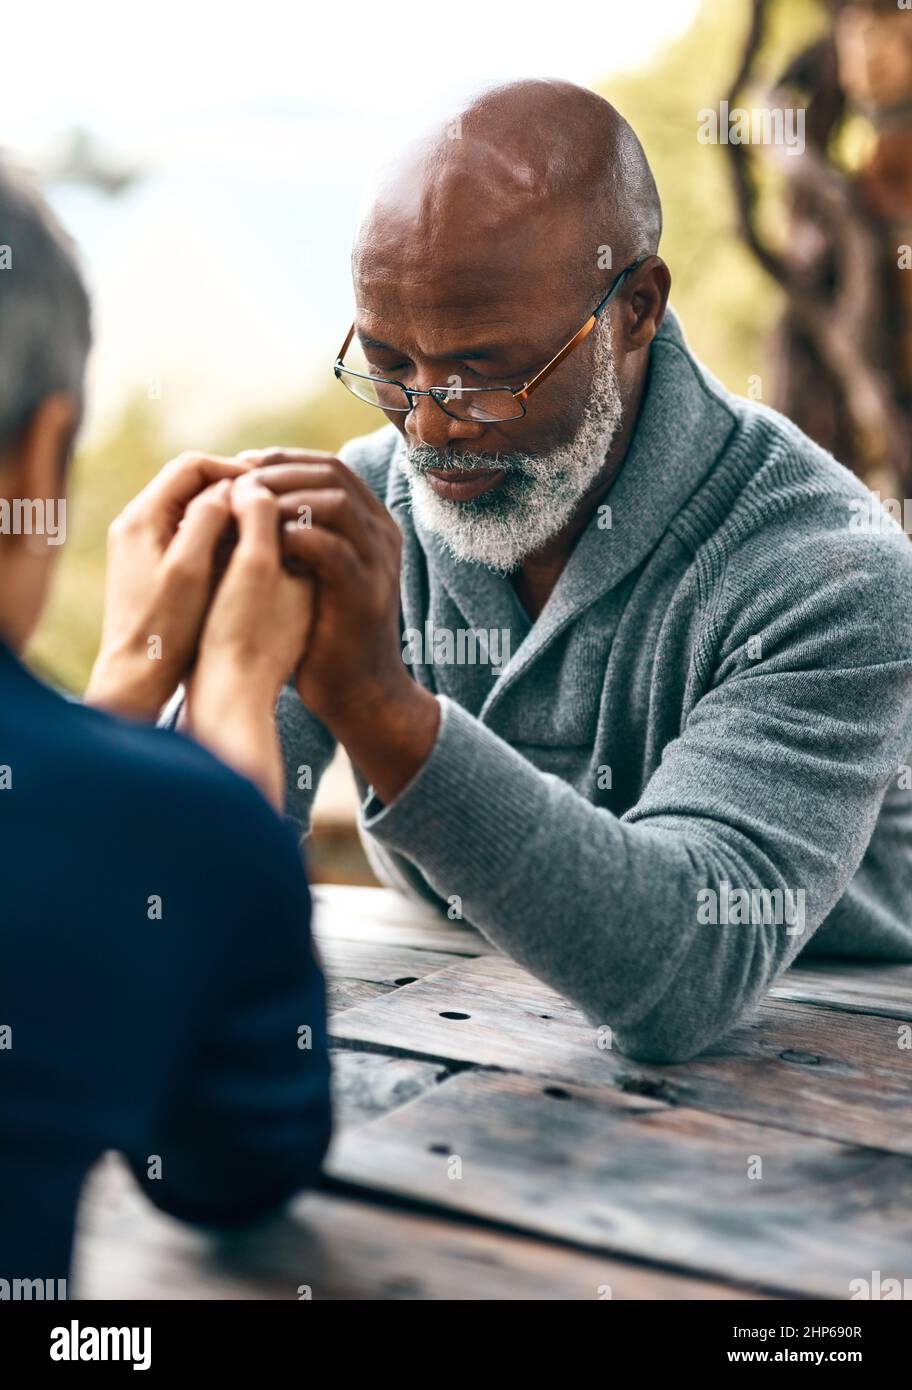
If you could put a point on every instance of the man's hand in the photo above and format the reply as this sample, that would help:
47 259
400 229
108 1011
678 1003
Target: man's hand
160 576
353 676
254 637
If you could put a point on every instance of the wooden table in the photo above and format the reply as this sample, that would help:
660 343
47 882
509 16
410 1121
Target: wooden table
489 1146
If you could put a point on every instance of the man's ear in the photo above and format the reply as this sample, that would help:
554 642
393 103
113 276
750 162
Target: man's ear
35 465
647 304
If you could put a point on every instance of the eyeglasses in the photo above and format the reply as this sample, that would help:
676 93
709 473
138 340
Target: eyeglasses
480 403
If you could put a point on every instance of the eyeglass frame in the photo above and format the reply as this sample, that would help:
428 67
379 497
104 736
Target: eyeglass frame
520 394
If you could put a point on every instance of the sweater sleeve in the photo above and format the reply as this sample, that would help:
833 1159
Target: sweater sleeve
307 747
774 784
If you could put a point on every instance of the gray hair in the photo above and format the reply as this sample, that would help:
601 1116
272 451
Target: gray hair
45 319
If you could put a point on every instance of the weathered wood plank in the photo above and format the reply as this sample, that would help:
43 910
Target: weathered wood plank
628 1175
341 1249
380 915
834 1074
380 962
368 1084
358 971
858 986
345 994
838 1075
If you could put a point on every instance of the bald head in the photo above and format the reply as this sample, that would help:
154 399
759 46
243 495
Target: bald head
520 161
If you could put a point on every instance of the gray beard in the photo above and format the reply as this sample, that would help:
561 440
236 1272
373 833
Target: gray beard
539 493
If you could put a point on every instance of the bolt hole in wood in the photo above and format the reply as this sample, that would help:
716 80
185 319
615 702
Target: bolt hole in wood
450 1013
646 1086
406 980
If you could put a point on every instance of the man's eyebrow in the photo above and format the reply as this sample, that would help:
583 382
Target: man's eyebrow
367 341
479 354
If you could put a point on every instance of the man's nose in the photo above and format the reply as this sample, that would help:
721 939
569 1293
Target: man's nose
428 424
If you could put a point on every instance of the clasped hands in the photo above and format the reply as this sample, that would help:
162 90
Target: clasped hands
231 575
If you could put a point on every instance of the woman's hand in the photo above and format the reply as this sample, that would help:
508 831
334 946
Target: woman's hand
254 638
162 567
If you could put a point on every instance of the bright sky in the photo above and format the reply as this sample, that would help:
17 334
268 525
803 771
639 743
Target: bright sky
222 274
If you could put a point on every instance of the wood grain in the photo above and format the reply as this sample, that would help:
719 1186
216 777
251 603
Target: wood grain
630 1175
381 962
345 994
834 1074
859 986
368 1084
341 1249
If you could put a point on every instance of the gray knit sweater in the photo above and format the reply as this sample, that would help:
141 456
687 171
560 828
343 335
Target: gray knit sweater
694 763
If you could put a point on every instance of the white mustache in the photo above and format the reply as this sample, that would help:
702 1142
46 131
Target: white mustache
422 457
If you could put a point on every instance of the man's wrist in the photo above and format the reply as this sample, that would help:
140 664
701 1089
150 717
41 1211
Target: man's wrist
389 734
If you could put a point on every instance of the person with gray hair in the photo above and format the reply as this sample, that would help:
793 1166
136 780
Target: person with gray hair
45 335
45 318
142 987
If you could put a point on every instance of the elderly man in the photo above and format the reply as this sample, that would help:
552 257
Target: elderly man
688 765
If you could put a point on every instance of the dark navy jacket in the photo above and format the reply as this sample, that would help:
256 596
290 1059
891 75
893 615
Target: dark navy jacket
159 992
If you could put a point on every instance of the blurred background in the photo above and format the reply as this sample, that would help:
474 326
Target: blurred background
210 163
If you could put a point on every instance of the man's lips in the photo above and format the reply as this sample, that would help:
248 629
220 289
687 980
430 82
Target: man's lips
461 484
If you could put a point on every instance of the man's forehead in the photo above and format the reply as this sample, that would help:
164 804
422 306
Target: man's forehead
480 281
477 248
447 288
454 316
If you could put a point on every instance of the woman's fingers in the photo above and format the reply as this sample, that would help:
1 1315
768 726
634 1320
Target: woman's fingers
155 514
188 474
204 523
260 617
257 514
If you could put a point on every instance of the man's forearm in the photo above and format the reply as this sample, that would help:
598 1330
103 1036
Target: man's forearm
390 736
604 911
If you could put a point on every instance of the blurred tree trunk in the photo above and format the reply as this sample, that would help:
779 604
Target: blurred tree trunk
842 357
